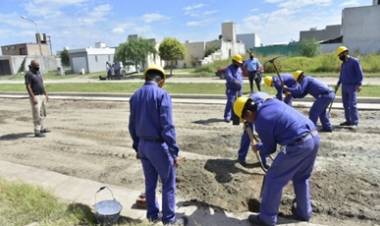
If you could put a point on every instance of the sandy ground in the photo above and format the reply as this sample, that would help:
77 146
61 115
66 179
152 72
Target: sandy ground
90 139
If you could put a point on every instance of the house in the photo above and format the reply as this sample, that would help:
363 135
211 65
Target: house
15 58
92 59
360 31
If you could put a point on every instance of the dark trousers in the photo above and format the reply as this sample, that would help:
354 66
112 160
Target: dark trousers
253 75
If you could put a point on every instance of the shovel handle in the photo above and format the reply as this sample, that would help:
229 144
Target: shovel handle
254 141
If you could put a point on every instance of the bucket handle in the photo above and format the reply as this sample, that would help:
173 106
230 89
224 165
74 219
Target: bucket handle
101 189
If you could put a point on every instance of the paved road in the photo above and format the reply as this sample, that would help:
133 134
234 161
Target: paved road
328 80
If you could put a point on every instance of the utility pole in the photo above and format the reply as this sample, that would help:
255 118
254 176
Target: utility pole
37 30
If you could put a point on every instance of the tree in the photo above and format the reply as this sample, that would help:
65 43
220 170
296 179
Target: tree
308 48
65 59
171 50
135 50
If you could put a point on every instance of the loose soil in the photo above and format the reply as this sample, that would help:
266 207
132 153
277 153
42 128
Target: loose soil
90 139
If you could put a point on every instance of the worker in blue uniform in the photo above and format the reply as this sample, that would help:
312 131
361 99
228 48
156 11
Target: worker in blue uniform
351 78
154 139
277 123
320 91
234 84
245 141
287 80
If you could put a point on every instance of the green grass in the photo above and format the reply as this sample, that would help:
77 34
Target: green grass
178 88
323 63
22 204
52 75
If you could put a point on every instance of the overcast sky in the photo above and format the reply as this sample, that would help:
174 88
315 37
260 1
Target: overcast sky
80 23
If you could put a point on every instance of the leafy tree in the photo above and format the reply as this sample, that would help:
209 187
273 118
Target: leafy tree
308 48
65 59
171 50
135 50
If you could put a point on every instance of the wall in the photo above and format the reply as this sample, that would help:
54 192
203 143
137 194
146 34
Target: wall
30 49
195 51
97 62
228 31
78 60
249 40
361 29
21 63
328 48
330 32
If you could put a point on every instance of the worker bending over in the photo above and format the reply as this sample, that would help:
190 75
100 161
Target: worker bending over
286 80
277 123
320 91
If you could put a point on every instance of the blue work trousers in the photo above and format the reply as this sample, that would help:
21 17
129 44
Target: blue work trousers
294 163
157 161
349 94
319 110
231 97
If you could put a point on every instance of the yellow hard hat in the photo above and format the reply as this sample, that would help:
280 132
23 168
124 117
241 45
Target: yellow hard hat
297 74
155 67
268 81
238 58
239 105
340 50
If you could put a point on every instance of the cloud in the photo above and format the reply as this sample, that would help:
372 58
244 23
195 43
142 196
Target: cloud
284 25
154 17
197 23
193 7
350 3
99 13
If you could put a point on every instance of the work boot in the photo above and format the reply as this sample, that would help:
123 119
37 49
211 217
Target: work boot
345 123
179 222
255 221
326 130
45 130
294 212
39 135
242 162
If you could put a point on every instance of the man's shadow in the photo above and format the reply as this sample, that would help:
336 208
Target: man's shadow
15 136
224 168
208 121
203 215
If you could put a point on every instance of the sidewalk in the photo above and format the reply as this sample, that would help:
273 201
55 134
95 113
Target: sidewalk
76 190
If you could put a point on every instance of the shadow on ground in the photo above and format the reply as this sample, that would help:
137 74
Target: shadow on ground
15 136
208 121
224 168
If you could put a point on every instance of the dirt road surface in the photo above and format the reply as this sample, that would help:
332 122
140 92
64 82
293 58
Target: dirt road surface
90 139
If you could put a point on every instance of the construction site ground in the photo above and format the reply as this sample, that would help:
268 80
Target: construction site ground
90 140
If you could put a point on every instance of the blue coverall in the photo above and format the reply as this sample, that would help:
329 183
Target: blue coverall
323 97
234 84
351 77
154 139
278 123
289 81
245 142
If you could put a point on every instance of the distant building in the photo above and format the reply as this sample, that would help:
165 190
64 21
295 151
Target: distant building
15 58
198 53
330 32
151 58
92 59
250 40
360 30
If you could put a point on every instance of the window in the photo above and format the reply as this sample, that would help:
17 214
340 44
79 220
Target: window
96 58
109 57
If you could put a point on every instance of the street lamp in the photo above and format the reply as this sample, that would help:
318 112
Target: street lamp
37 30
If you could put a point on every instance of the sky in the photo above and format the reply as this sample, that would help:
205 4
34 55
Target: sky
81 23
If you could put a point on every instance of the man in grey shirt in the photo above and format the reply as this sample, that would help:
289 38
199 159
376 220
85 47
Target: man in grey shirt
38 97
